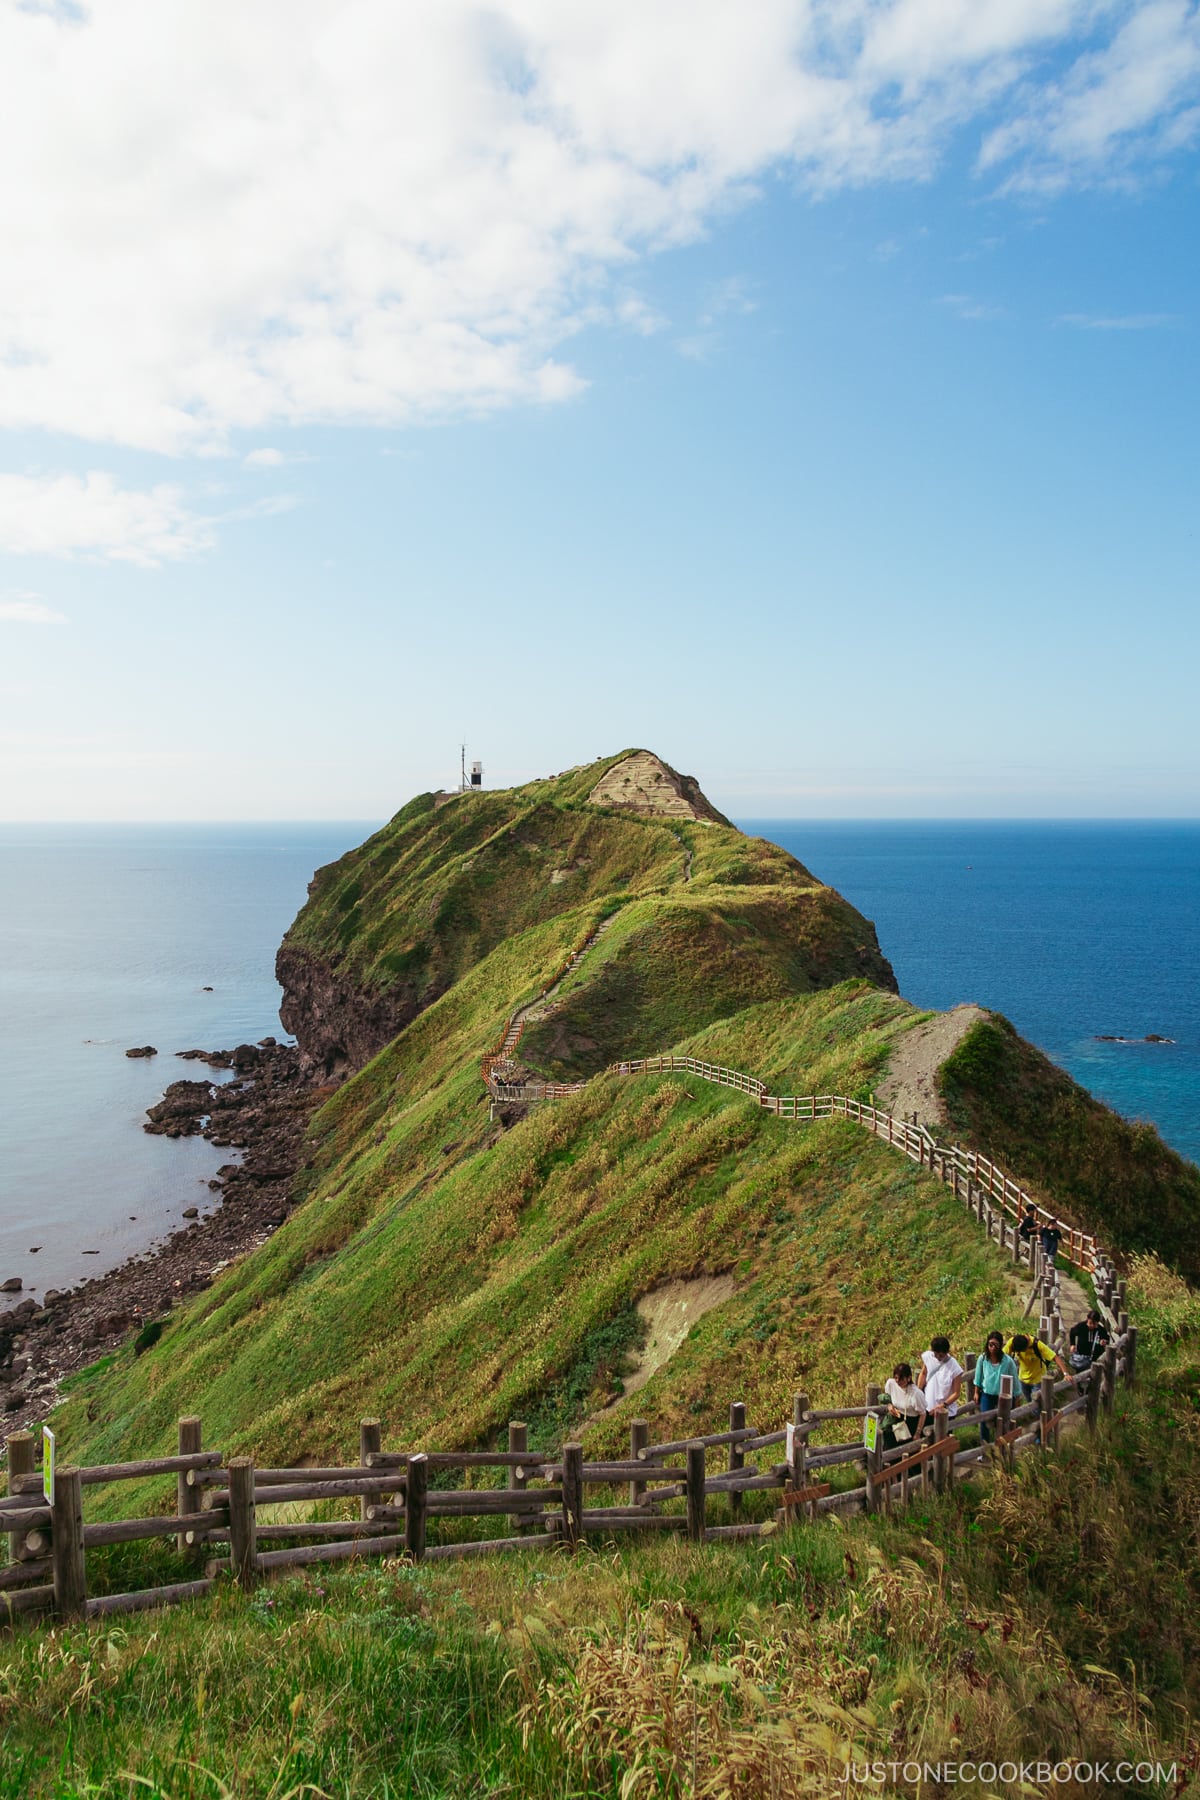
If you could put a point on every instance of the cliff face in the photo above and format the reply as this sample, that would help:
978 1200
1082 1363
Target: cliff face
339 1023
397 922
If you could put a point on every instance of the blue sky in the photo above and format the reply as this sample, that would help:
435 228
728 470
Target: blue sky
813 402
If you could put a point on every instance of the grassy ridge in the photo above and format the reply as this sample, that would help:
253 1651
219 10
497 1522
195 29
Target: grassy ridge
447 1275
1055 1616
442 884
667 967
1114 1177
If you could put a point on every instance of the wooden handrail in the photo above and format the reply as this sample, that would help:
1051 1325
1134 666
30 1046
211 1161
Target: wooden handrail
228 1516
944 1160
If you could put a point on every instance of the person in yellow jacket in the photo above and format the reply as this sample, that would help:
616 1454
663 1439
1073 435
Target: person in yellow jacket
1034 1359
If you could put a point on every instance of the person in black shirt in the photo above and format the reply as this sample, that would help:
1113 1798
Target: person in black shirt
1027 1230
1051 1238
1089 1339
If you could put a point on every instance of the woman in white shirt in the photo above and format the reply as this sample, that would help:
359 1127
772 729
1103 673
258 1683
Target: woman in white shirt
906 1406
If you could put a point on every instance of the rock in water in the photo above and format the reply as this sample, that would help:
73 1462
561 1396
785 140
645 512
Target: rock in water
143 1050
13 1285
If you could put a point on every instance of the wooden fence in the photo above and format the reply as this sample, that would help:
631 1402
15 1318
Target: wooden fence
228 1507
966 1171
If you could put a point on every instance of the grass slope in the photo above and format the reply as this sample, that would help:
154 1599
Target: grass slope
1116 1178
1050 1617
450 1277
441 885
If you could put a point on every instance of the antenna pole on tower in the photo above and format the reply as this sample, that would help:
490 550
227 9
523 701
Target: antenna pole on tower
462 783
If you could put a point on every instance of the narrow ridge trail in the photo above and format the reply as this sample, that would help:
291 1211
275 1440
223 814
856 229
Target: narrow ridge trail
970 1175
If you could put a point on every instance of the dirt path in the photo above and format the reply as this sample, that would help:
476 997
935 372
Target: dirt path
911 1082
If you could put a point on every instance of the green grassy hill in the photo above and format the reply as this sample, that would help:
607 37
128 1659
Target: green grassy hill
396 923
1045 1618
1114 1177
448 1275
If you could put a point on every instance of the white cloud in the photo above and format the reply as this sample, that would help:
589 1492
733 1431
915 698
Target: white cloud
264 459
963 306
275 212
730 296
90 516
637 315
1118 107
18 606
1121 322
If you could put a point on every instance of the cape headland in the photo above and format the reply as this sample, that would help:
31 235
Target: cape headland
653 1245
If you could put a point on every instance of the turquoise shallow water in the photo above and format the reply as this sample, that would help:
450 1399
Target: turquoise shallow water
109 934
1070 929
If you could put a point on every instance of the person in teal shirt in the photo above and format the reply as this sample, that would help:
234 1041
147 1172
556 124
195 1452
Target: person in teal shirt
990 1370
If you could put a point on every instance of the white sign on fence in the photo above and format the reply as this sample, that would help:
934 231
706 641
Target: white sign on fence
48 1448
791 1443
1006 1387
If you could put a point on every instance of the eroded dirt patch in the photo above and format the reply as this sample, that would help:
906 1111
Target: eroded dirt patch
910 1085
670 1311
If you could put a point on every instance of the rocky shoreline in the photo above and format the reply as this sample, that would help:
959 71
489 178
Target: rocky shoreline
263 1112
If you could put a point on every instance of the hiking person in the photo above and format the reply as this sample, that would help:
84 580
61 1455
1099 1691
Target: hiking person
906 1407
941 1377
990 1371
1033 1358
1051 1236
1088 1340
1027 1229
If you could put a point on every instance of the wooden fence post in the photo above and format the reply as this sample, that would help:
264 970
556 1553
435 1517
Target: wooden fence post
20 1462
66 1549
874 1466
1108 1378
695 1492
1092 1410
188 1499
572 1494
1004 1408
737 1456
941 1471
639 1437
1131 1355
1046 1408
798 1473
518 1480
416 1492
243 1527
370 1443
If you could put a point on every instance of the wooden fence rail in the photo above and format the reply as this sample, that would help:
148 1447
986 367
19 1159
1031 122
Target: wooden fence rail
227 1504
550 1508
998 1200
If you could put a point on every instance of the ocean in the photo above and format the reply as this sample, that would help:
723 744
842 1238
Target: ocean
111 935
1073 931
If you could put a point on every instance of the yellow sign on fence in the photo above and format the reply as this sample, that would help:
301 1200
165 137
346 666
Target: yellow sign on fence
48 1448
870 1431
